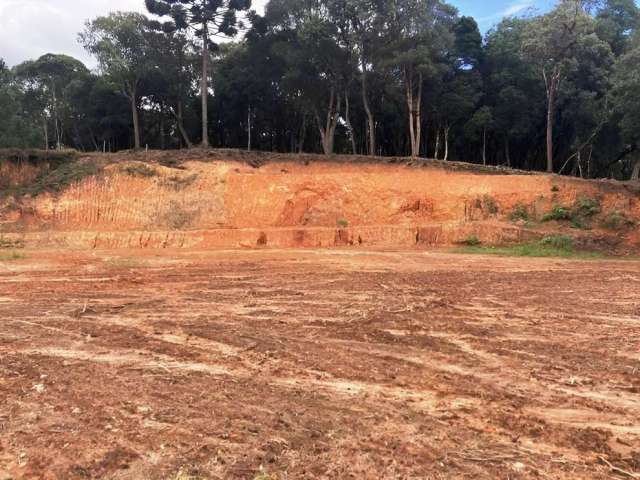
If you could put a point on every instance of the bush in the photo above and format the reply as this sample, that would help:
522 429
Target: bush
471 241
555 188
560 242
489 205
558 213
139 170
586 207
616 221
342 223
179 183
519 212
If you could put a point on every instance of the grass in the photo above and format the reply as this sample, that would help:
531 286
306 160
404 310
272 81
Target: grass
561 246
7 257
139 170
471 241
520 212
178 183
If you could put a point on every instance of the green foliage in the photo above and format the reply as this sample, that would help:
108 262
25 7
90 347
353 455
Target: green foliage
555 188
560 242
550 246
471 240
489 205
616 221
558 213
586 207
11 256
519 212
342 223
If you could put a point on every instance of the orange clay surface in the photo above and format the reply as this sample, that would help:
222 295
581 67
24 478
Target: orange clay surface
198 202
317 364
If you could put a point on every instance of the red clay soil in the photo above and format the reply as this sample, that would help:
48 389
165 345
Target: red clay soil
317 364
222 199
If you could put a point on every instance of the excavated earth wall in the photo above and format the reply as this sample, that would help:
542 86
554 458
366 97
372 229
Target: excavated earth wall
200 203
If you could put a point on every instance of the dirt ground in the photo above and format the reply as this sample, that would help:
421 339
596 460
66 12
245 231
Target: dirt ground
318 364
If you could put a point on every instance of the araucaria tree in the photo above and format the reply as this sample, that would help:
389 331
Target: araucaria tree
206 19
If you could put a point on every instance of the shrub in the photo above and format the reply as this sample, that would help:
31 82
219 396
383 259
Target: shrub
519 212
139 170
558 213
342 223
555 188
586 207
179 183
616 221
471 241
560 242
489 205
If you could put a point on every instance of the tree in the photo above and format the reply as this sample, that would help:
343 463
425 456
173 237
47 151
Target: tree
48 78
416 33
119 42
551 41
206 18
626 98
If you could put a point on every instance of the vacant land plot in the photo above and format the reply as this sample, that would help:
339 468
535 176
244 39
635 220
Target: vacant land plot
318 364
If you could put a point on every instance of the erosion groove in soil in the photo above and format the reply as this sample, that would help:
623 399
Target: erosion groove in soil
317 364
225 199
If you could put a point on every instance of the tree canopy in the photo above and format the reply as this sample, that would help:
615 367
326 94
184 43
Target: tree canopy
556 91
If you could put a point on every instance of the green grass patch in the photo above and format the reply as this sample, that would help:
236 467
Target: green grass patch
561 246
471 241
11 256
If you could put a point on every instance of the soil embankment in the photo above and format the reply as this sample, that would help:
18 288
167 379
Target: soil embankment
225 199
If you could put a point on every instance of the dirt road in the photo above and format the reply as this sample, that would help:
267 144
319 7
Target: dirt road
318 364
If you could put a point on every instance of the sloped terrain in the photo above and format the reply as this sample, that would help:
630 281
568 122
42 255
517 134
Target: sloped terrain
233 199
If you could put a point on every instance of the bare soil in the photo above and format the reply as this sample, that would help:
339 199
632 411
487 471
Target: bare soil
317 364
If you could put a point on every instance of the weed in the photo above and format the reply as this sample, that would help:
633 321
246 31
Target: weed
519 212
562 242
7 257
558 213
550 246
179 183
342 223
555 188
177 217
489 205
586 207
471 241
616 221
60 178
139 170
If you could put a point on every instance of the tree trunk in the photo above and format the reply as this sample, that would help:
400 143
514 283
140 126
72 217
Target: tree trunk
136 119
348 123
328 130
371 127
204 86
551 83
446 143
437 149
414 101
484 146
635 175
46 133
507 151
183 132
303 133
249 129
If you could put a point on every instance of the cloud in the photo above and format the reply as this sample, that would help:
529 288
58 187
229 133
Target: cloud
516 8
31 28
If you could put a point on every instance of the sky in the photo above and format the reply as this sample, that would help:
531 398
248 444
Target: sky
30 28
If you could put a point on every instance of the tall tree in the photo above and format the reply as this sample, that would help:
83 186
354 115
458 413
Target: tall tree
416 33
119 42
551 41
206 19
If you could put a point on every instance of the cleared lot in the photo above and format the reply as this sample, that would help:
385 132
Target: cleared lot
318 364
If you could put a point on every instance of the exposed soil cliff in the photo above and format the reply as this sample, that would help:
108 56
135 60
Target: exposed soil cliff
228 199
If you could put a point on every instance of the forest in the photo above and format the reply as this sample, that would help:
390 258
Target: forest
557 91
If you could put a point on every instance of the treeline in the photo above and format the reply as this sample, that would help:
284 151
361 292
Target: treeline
558 91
